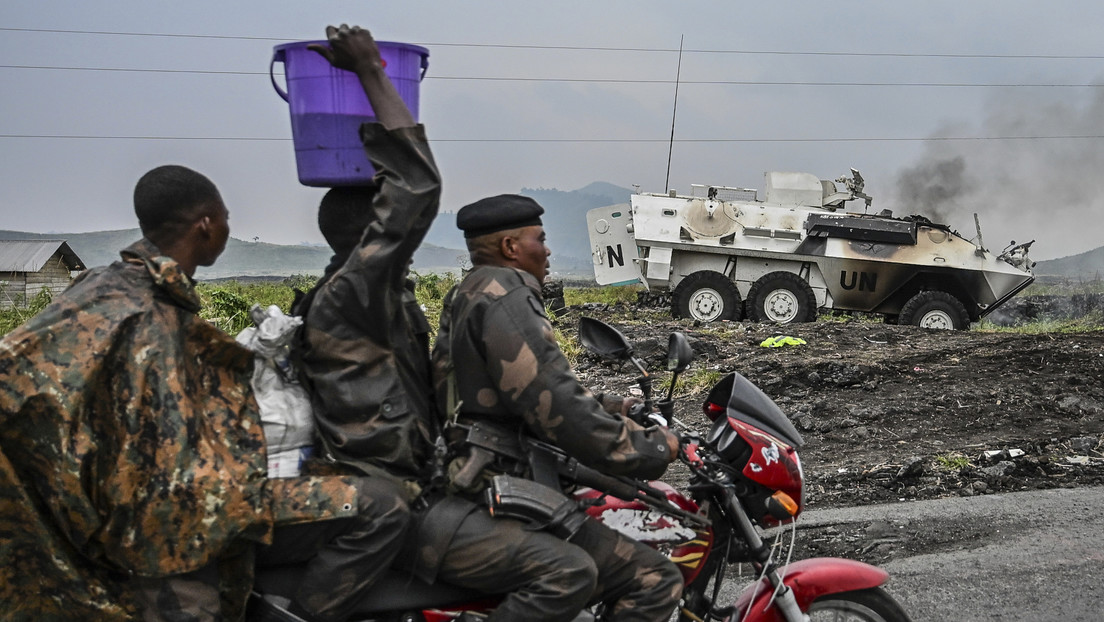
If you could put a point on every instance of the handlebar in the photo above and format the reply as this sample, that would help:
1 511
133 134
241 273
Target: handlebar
616 485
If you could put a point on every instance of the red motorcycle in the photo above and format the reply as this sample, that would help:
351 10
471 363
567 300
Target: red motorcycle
745 476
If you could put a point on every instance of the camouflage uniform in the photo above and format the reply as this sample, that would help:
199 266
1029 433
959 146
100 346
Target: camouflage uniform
510 372
365 351
131 453
366 358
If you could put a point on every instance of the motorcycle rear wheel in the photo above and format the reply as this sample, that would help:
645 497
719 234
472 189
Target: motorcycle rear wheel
872 605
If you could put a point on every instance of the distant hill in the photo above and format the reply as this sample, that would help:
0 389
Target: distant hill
565 218
564 222
241 258
1088 266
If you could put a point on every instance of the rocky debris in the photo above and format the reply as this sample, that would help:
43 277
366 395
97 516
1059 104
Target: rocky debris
553 294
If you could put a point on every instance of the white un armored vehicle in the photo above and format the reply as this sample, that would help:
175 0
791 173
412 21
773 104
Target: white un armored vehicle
725 252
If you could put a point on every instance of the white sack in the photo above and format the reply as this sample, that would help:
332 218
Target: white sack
285 405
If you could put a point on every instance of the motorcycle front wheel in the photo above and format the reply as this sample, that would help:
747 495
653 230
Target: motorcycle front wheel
873 605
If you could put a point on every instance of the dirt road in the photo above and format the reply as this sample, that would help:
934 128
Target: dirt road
1015 557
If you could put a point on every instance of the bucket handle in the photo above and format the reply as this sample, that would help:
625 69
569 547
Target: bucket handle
425 66
277 57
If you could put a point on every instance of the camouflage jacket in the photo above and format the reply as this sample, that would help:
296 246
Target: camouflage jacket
130 444
366 351
510 371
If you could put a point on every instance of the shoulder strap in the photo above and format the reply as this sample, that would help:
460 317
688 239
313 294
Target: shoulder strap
452 391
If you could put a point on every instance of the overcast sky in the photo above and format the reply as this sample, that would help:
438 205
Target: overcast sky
947 108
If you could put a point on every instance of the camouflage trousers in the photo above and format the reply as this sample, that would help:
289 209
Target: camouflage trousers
215 593
188 597
345 555
550 580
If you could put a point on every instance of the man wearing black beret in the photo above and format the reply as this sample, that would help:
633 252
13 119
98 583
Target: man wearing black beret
493 214
497 366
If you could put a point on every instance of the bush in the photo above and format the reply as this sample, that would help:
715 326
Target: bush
301 282
22 310
227 304
430 290
227 309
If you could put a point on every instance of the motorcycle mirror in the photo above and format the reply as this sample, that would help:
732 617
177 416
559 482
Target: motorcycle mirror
603 339
679 353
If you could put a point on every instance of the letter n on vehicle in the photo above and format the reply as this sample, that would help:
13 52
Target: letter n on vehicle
618 255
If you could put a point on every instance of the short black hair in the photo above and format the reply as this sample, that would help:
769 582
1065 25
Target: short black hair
169 198
343 215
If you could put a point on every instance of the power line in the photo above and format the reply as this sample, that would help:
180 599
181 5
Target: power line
590 48
655 81
141 34
585 140
135 70
759 82
119 137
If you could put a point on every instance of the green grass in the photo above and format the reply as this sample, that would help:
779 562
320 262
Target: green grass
691 381
1094 322
847 317
569 345
952 462
611 294
723 330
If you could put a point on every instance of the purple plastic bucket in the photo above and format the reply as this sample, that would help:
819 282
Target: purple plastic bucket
327 106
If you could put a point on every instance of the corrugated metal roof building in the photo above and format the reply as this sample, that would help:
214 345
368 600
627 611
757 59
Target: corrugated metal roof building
29 266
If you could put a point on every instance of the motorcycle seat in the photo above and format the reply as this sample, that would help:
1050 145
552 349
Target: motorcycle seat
394 591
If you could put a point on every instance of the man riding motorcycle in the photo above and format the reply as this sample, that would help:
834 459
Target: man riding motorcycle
502 376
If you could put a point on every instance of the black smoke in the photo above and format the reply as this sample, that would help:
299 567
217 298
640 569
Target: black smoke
933 188
1032 168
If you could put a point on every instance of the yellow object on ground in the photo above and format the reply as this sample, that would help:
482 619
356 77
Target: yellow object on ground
778 341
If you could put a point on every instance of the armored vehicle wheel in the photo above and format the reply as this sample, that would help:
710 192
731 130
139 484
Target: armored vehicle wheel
935 309
781 298
706 296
